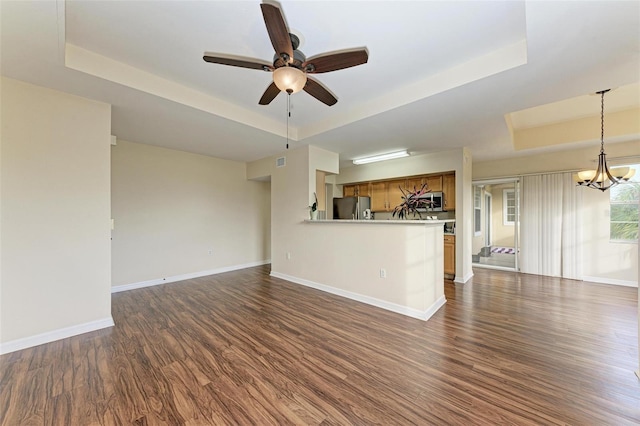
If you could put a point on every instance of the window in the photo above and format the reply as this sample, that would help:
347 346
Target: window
477 210
624 199
508 207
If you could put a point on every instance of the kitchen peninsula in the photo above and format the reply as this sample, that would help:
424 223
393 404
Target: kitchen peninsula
402 269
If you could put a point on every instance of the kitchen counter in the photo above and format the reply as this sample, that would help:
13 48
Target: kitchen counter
386 222
393 264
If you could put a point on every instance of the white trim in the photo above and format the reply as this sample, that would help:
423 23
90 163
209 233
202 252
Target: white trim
612 281
158 281
50 336
463 280
505 207
393 307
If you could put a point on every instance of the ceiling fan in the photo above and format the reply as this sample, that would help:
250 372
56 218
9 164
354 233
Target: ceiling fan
290 66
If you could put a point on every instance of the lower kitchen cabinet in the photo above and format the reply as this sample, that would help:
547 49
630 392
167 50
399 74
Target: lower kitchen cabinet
450 255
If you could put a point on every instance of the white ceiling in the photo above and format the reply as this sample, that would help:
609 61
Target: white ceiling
440 75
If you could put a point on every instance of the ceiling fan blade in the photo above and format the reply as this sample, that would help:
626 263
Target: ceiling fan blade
335 61
239 63
277 29
318 91
269 94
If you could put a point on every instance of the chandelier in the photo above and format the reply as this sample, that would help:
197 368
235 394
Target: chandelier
602 178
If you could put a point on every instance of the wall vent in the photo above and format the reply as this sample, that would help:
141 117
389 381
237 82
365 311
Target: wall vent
281 162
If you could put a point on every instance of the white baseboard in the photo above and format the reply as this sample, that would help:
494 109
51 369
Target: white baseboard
50 336
175 278
393 307
612 281
465 279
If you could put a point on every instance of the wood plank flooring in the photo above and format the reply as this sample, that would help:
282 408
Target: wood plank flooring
246 348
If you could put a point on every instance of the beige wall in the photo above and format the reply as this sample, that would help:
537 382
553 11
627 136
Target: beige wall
577 159
347 257
172 209
458 160
503 235
54 216
604 261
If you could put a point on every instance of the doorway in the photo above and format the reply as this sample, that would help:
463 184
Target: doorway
496 224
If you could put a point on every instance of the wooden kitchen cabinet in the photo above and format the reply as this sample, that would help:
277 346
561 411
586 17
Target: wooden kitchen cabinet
394 194
450 255
434 183
363 190
414 183
386 195
379 196
449 191
349 190
359 190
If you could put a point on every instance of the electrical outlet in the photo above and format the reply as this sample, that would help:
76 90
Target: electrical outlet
210 252
288 256
383 273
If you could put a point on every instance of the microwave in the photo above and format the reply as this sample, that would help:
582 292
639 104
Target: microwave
437 202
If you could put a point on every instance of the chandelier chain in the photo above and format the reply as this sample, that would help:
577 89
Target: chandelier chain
602 121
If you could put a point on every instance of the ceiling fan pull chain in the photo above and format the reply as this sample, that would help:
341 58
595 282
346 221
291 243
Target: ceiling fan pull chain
288 115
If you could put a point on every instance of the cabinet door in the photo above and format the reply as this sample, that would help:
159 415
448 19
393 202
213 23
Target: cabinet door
394 194
434 183
449 191
414 183
363 190
349 190
378 196
449 255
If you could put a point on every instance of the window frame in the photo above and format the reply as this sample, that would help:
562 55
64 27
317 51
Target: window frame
477 211
505 207
632 202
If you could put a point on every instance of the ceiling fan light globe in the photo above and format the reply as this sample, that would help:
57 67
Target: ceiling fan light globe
289 79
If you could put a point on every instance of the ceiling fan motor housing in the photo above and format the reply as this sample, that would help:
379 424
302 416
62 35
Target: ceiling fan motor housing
298 59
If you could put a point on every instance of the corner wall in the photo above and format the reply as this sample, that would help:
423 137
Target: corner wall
54 215
178 215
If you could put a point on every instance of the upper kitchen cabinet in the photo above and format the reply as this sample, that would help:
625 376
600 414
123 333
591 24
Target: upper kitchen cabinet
449 191
394 194
434 183
357 190
385 196
379 196
349 190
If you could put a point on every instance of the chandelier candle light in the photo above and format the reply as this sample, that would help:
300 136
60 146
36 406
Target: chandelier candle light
602 178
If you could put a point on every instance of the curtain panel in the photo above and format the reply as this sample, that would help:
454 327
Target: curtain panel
550 226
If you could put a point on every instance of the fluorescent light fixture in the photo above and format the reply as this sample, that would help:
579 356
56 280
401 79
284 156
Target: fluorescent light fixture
381 157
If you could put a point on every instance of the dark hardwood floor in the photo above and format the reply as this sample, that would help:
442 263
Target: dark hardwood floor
245 348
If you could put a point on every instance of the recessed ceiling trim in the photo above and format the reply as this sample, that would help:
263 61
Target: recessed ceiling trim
97 65
499 60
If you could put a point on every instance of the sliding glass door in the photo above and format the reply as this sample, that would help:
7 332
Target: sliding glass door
496 224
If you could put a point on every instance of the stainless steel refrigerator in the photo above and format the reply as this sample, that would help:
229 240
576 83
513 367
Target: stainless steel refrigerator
351 207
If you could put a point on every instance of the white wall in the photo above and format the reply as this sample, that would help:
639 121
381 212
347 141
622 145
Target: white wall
55 201
172 208
603 261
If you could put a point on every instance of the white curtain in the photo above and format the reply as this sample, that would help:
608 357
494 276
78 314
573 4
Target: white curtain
550 226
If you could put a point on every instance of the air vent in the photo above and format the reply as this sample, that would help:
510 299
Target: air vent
281 162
